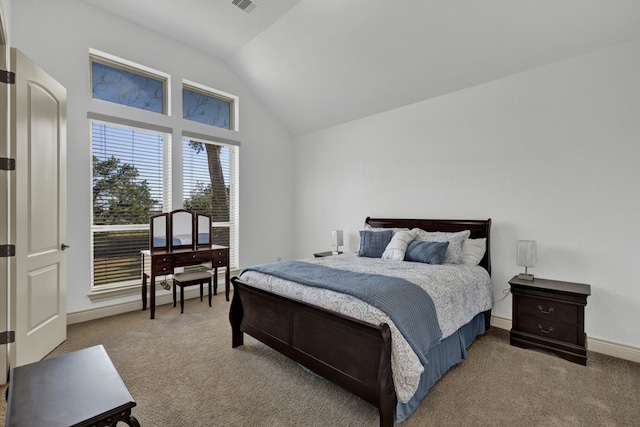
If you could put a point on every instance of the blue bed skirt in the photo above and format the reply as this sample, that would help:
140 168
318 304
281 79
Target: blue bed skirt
449 352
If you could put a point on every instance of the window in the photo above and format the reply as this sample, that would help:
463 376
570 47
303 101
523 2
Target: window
210 187
206 107
132 165
124 85
128 186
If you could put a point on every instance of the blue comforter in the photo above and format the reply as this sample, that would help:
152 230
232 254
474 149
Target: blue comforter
409 306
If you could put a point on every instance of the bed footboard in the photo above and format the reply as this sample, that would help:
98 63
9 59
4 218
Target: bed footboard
353 354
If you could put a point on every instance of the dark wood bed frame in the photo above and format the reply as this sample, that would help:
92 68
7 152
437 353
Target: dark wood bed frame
353 354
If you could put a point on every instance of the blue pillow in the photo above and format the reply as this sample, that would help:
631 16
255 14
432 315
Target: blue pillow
373 243
426 252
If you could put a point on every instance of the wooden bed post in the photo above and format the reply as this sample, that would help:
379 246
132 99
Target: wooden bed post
235 317
387 394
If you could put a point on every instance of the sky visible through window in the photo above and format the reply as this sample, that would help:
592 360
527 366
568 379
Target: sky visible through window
139 148
126 88
195 168
144 150
206 109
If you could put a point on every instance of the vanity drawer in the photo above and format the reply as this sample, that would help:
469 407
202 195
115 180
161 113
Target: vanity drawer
193 257
548 309
163 264
220 258
553 330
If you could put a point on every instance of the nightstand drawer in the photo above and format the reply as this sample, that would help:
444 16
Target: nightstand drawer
548 309
547 329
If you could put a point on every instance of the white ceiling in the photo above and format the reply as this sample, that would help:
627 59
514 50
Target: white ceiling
318 63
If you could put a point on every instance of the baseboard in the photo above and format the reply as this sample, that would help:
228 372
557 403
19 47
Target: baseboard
501 322
111 310
615 349
597 345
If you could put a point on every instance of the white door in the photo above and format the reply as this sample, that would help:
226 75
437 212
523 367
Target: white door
38 270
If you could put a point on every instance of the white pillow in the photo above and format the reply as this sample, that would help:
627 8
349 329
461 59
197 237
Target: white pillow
398 245
454 250
473 250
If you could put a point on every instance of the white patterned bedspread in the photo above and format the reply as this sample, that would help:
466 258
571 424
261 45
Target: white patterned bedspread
459 292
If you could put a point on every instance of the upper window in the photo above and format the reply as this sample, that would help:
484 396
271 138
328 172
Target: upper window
122 85
207 107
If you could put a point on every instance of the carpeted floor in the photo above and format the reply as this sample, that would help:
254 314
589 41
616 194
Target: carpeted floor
182 371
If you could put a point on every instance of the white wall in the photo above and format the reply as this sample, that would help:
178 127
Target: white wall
551 154
57 35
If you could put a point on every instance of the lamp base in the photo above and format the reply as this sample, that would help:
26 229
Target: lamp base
336 252
525 276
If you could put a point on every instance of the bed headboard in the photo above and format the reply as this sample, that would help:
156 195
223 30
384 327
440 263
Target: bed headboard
479 229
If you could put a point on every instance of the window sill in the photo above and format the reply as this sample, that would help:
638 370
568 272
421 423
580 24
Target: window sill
105 292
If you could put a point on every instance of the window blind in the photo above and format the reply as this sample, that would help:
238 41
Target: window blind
129 185
210 177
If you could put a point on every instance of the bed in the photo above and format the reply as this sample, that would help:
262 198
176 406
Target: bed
359 355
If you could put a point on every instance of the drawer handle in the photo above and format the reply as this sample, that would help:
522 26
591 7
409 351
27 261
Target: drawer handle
545 312
545 331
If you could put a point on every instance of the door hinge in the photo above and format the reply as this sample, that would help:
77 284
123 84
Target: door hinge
7 164
8 77
7 337
7 251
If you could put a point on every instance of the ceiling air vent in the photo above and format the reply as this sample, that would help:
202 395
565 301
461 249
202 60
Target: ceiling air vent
246 5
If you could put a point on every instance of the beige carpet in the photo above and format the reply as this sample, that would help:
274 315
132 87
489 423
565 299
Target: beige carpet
182 371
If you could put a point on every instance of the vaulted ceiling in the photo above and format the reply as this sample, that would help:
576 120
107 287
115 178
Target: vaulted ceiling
319 63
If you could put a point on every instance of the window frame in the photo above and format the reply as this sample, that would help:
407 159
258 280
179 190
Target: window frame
167 189
234 199
175 129
131 67
230 101
234 122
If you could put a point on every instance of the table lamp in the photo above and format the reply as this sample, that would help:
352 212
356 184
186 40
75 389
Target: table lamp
526 256
336 241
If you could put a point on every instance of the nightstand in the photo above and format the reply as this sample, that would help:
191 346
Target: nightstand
549 314
321 254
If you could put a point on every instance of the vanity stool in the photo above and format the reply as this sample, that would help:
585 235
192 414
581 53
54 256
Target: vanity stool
192 278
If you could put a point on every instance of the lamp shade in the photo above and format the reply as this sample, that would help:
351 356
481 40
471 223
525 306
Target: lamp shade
336 238
526 253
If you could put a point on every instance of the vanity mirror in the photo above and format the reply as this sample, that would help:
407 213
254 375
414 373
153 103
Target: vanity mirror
203 224
159 232
181 229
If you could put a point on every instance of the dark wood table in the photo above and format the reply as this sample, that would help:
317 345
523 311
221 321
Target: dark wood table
163 262
78 389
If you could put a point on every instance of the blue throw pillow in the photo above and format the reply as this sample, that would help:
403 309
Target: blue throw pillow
426 252
373 243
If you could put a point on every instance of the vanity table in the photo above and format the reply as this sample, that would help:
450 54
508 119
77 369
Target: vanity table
160 263
180 238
